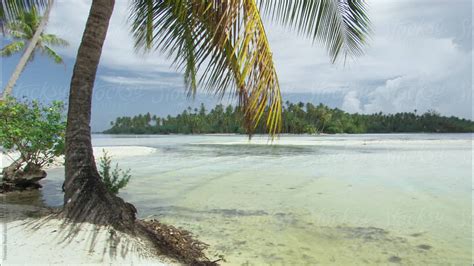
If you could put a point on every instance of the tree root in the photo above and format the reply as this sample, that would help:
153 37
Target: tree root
176 243
91 202
88 200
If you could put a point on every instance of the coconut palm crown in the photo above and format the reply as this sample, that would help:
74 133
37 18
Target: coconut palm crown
21 31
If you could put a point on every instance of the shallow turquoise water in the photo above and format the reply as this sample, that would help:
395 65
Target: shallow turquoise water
344 199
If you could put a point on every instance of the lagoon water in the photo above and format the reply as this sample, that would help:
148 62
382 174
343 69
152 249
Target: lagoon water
303 200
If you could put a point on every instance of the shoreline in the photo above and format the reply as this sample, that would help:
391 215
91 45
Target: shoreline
116 152
284 134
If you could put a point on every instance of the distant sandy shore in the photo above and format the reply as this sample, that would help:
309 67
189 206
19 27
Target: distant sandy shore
122 151
116 152
47 241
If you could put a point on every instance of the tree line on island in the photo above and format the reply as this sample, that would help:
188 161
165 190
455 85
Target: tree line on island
297 118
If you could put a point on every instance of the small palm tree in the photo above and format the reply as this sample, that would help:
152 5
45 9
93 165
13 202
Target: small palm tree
22 30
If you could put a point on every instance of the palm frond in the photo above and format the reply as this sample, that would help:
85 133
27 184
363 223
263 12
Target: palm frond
12 48
52 54
168 26
17 35
54 40
224 42
341 25
19 26
26 22
258 71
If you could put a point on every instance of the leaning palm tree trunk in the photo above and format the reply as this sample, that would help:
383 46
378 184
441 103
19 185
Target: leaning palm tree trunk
27 54
86 198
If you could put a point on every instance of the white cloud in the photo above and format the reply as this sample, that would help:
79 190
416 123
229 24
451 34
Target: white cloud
419 57
442 83
118 53
144 82
351 102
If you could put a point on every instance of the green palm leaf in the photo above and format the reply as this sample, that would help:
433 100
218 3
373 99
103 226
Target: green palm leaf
175 28
52 54
341 25
54 40
12 48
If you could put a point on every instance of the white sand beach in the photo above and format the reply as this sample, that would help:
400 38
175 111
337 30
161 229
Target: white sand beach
49 241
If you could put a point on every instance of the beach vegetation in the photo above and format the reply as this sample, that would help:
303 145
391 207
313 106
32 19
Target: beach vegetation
309 119
114 179
33 131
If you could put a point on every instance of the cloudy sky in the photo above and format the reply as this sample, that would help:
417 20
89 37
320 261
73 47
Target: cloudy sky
419 57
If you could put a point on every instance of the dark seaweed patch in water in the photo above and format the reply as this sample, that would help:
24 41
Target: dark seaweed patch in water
182 211
365 233
395 259
424 247
235 212
240 243
417 234
286 219
240 150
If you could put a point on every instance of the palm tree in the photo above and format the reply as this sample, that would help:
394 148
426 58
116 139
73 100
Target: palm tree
22 31
223 40
86 198
9 10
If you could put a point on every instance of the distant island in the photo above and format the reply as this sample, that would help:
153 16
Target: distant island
297 118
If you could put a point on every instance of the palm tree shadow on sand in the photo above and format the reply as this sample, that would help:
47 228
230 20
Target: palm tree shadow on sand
99 239
151 240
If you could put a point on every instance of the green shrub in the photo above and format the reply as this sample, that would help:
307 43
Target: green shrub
115 179
34 130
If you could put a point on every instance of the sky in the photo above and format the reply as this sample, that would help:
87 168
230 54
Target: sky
419 57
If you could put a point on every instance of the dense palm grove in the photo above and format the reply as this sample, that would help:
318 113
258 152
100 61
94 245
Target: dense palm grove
298 118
